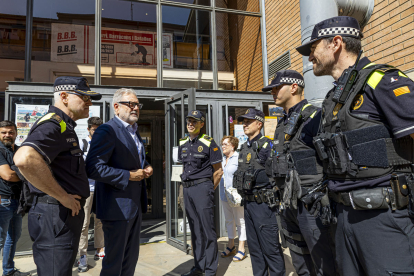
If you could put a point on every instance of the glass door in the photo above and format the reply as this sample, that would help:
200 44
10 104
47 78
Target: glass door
176 109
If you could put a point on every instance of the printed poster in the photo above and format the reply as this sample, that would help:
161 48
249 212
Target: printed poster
76 44
26 116
82 124
270 126
239 134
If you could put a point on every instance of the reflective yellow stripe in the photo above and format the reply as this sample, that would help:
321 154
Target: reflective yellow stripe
313 114
374 79
46 117
205 141
401 74
265 145
305 106
182 142
62 126
368 65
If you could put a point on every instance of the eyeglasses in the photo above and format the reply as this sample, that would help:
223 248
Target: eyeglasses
225 145
85 98
132 105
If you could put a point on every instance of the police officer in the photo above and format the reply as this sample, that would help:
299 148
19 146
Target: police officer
201 158
51 160
259 198
366 145
297 171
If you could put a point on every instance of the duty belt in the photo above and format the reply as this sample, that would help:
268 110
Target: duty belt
9 197
268 196
51 200
370 199
187 184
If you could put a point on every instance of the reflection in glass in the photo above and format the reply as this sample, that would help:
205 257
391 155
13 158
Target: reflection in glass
195 2
239 52
129 53
12 41
187 48
63 39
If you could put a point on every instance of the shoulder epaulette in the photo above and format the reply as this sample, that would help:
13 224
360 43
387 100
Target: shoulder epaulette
208 138
49 117
184 138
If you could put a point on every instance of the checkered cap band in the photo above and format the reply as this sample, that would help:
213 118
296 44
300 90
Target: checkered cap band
259 118
339 31
65 87
292 80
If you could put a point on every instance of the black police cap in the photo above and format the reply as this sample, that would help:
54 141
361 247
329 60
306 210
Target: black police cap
77 84
285 77
252 113
196 114
344 26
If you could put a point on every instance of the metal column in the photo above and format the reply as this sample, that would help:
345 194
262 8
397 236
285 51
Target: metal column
98 27
159 45
264 43
28 44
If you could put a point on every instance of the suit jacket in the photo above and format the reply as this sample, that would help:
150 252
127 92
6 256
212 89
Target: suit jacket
112 154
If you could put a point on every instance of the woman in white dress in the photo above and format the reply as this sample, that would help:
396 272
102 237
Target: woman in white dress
234 216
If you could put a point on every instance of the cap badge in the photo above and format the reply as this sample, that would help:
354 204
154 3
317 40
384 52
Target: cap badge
248 157
200 148
247 111
195 112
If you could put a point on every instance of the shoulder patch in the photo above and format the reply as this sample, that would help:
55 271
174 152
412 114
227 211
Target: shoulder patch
402 90
208 138
56 117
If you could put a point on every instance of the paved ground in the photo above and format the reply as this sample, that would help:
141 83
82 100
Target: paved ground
158 258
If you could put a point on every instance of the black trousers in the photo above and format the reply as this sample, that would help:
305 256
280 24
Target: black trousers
263 239
374 242
318 238
199 206
122 248
55 234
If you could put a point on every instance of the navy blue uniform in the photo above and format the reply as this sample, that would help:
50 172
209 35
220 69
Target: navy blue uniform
198 156
390 102
52 228
318 238
362 235
262 231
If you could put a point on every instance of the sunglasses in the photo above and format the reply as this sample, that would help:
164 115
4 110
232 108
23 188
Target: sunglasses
132 105
85 98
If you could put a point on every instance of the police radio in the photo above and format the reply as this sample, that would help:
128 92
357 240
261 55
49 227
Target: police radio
292 123
345 83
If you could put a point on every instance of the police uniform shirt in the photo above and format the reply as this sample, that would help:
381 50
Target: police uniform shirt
310 127
264 152
57 149
9 188
197 158
390 100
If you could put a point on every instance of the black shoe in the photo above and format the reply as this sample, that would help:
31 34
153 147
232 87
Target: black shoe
17 273
194 272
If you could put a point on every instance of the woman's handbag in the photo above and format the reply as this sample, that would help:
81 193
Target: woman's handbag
233 197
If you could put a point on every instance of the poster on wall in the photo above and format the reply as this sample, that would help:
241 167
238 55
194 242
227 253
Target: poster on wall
239 134
270 126
82 124
76 44
26 116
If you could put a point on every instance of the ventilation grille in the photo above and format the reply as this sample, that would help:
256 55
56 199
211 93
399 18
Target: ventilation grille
280 63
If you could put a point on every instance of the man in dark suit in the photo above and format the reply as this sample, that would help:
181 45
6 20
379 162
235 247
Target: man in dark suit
116 160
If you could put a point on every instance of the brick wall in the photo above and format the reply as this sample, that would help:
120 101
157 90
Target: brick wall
283 30
389 34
